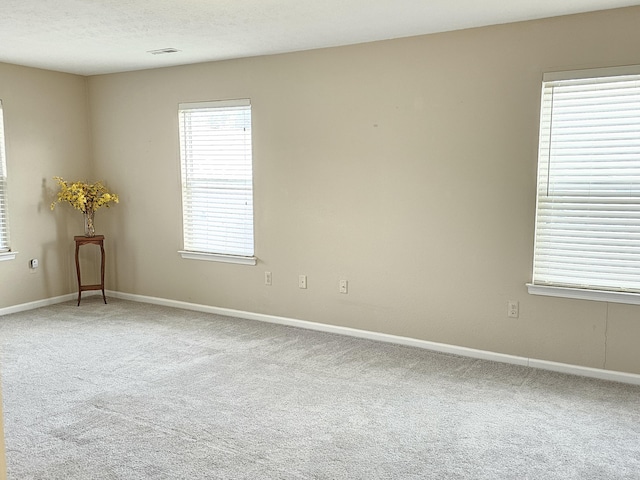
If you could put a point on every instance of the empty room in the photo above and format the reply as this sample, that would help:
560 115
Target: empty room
320 240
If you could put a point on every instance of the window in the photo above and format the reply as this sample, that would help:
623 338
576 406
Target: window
4 224
217 181
588 210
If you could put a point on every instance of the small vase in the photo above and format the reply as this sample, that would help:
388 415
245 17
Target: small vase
89 227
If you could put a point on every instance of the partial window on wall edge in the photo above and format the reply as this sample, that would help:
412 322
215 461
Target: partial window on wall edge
4 220
587 235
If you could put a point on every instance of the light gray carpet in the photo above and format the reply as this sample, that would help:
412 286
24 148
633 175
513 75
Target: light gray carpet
135 391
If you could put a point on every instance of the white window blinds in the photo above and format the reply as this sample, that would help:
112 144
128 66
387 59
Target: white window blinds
588 211
4 227
217 180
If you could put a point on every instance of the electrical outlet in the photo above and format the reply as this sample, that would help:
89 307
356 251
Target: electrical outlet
267 278
302 281
513 309
33 265
343 286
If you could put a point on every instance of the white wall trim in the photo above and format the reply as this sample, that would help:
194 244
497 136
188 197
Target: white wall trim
611 375
218 257
601 374
7 256
37 304
584 294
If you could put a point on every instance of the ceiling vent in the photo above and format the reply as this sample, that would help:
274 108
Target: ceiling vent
163 51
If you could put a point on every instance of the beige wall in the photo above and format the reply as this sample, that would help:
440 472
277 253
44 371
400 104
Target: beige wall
47 134
407 167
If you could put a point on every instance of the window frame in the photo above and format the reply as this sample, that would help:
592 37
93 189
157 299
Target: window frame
584 292
209 252
5 239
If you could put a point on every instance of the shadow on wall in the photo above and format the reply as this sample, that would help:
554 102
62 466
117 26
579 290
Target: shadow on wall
54 258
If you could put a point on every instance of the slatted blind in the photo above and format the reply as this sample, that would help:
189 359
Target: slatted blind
217 180
4 227
588 211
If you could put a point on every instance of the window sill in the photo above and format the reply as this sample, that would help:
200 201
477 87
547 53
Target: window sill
584 294
216 257
7 256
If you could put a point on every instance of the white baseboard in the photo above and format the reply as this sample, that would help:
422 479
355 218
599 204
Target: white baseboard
37 304
601 374
598 373
623 377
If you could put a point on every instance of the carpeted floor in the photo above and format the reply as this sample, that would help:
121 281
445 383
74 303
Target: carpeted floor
136 391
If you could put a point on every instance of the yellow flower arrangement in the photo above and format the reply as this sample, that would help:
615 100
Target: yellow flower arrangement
84 196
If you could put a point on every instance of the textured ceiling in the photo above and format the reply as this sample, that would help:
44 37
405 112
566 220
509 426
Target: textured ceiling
90 37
